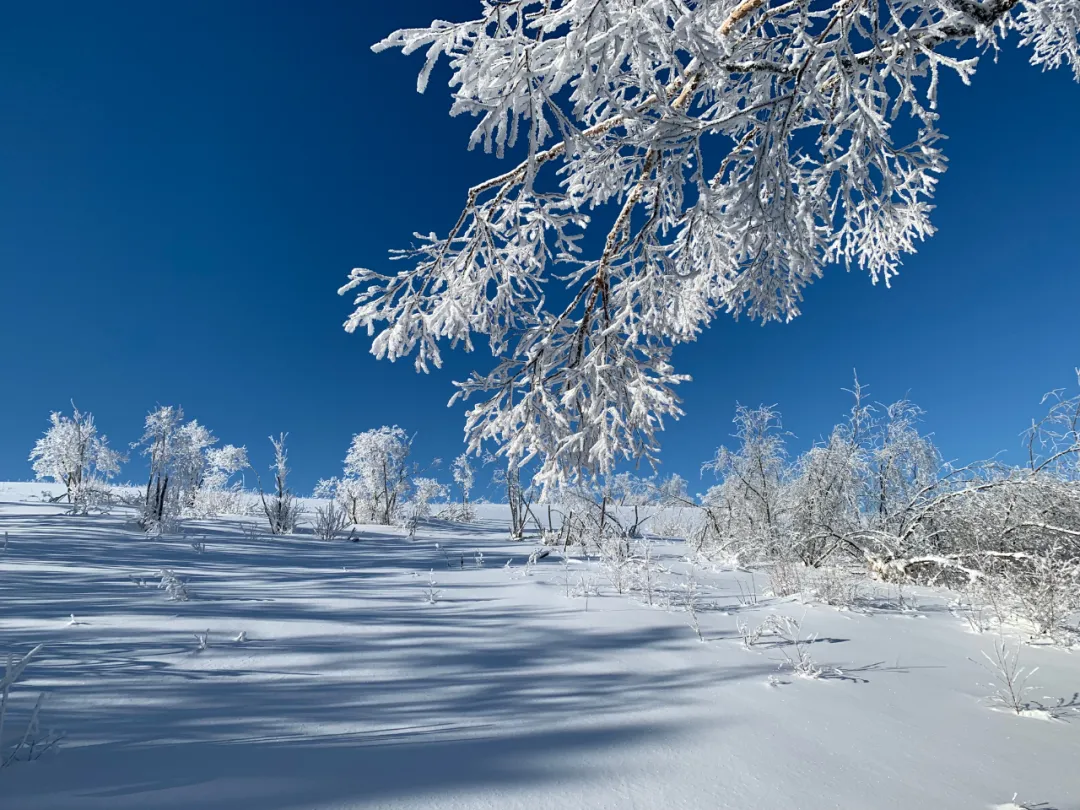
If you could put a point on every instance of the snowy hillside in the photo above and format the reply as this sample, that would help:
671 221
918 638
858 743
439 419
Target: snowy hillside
449 671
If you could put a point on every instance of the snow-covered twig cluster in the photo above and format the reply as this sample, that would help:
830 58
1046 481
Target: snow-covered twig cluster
175 588
330 521
1010 687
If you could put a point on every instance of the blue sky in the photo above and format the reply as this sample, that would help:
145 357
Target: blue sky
183 188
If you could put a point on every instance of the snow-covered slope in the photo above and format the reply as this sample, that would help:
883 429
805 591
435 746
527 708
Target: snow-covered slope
354 690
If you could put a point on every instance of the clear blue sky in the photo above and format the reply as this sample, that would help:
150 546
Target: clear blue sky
184 186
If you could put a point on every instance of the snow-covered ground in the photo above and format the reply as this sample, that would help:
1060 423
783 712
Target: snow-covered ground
354 690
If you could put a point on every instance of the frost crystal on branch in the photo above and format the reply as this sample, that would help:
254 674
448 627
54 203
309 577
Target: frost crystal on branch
732 150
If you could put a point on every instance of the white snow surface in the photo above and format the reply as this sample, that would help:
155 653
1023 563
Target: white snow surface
353 691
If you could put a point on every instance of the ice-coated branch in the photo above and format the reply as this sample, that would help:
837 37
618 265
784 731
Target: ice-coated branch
732 150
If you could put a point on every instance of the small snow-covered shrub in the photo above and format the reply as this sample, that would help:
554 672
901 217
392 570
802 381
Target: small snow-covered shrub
752 636
1038 592
690 597
92 494
685 523
586 587
1045 592
432 593
425 490
1010 685
796 648
176 590
748 594
616 561
330 521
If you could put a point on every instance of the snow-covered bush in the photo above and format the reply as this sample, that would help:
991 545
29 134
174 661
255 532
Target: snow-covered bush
786 578
616 560
176 589
424 491
835 586
877 493
330 521
1010 685
350 495
690 599
72 453
795 647
217 491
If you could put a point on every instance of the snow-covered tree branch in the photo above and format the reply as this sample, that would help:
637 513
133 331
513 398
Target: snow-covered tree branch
729 151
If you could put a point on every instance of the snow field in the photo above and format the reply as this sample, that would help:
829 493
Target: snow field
350 688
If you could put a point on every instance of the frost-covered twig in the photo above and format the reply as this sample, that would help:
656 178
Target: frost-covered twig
12 673
432 593
1010 679
691 601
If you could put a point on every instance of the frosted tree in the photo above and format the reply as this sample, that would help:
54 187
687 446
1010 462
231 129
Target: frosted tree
73 454
281 508
728 151
189 463
424 491
464 477
176 453
377 467
518 497
188 475
751 493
